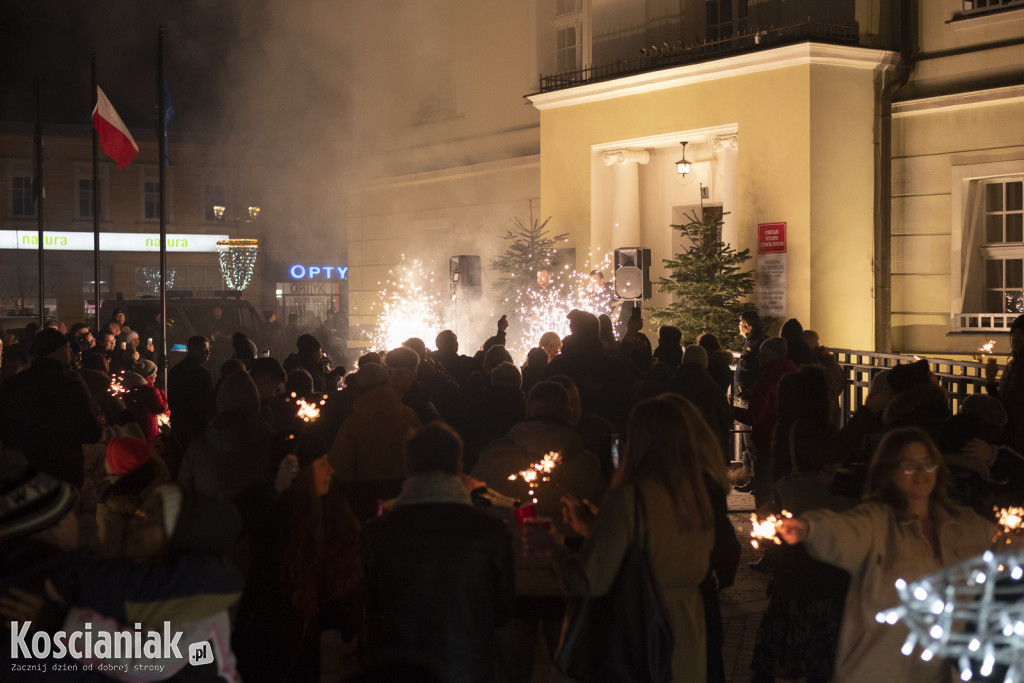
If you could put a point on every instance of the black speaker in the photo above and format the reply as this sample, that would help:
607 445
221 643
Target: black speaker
464 271
632 273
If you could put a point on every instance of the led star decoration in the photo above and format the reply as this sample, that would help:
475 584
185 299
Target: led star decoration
973 610
237 260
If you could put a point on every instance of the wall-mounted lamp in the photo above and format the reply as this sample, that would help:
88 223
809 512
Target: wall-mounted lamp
683 166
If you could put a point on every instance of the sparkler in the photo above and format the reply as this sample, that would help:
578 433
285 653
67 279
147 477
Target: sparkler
1012 522
987 347
767 529
309 412
117 389
538 472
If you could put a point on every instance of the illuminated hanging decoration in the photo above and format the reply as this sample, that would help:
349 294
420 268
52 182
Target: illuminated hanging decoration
237 260
972 612
151 278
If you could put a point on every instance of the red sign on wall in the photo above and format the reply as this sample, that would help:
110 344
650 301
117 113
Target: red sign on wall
771 238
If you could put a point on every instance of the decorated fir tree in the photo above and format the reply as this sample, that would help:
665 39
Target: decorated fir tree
706 282
530 248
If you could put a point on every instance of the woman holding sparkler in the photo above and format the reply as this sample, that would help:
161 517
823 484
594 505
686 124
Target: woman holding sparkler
661 464
906 528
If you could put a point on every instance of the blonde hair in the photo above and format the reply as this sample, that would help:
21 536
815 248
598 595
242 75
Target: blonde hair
664 444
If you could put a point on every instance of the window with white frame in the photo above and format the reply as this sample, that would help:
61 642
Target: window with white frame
568 27
1003 245
988 240
976 6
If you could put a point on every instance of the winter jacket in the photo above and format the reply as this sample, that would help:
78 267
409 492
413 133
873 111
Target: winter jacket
47 414
877 546
123 495
439 581
763 402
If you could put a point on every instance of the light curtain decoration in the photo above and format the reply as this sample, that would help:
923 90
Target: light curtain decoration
237 260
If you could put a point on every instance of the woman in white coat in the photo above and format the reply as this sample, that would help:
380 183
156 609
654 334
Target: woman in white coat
906 528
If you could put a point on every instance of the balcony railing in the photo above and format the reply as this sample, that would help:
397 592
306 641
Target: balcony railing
979 6
985 322
843 34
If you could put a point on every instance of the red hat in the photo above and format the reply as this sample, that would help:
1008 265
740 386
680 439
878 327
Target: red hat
126 453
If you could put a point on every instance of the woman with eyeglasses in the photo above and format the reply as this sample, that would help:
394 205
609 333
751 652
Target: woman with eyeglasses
906 528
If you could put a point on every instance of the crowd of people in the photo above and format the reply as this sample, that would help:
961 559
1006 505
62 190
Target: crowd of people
440 510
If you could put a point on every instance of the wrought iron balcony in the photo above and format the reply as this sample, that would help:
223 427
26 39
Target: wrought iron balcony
762 38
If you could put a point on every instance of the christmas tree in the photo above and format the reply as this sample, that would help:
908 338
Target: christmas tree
530 249
706 282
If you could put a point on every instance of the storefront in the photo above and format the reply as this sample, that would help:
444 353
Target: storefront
129 268
315 291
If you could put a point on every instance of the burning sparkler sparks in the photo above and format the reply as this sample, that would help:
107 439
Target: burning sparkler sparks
309 412
1012 522
117 389
987 347
767 529
538 472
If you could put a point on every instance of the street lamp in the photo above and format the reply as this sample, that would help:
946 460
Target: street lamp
682 166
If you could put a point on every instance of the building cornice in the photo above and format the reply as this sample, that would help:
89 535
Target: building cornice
962 100
740 65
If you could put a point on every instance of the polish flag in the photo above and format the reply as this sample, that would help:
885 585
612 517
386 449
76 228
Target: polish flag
117 142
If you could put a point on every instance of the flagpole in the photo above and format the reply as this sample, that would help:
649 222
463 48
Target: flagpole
96 203
161 135
40 192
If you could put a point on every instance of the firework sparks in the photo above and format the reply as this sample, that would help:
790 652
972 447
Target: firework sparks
987 347
538 472
545 310
408 306
767 529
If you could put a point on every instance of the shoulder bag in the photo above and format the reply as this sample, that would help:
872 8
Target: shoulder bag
624 636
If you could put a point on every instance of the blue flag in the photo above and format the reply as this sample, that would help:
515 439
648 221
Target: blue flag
168 115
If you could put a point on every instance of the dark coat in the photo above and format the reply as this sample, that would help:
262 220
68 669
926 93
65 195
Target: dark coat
747 369
47 414
190 398
440 580
604 382
696 384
